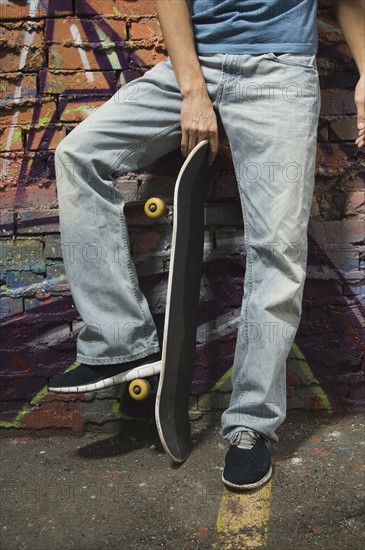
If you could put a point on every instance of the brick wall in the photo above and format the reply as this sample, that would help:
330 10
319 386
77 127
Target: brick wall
60 60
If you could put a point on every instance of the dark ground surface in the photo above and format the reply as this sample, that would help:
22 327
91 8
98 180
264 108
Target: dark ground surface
104 491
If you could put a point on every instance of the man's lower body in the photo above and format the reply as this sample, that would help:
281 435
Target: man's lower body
268 105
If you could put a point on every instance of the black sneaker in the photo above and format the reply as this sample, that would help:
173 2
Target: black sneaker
84 378
248 462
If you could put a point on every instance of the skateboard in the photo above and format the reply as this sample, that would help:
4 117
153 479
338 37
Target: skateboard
175 369
182 302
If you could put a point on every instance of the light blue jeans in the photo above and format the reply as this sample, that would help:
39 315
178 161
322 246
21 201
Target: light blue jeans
269 106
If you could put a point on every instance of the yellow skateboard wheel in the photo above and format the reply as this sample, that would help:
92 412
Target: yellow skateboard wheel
139 389
155 207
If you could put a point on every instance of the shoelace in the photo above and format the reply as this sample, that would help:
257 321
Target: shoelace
245 439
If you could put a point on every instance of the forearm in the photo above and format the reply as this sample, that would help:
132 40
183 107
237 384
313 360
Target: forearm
351 17
177 30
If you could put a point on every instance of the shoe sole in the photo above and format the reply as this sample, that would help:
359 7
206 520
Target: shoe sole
143 371
249 486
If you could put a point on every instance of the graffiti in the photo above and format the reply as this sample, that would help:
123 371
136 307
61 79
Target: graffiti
61 64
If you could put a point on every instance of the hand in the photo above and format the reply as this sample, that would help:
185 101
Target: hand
360 104
198 122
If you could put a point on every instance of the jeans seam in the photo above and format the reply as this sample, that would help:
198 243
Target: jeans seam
220 86
128 258
140 143
250 278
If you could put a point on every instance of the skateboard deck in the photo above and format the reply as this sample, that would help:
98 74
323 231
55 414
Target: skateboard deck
182 302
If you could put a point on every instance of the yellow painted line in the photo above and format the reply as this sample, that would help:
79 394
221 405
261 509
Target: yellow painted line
243 519
222 379
115 408
316 389
204 398
307 371
16 423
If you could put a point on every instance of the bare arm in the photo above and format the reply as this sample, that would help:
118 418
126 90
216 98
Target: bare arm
198 119
351 17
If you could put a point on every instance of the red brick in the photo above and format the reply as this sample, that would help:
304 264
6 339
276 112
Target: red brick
315 211
337 232
41 194
139 8
58 82
116 8
14 135
10 166
150 56
10 83
334 159
343 130
335 102
78 110
70 57
322 133
64 33
355 203
54 414
10 57
35 221
21 9
26 168
45 138
144 243
357 181
13 36
145 29
341 80
24 114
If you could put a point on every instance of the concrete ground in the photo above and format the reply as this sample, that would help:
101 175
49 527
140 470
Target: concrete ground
103 491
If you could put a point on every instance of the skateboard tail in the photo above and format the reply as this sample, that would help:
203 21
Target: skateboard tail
173 419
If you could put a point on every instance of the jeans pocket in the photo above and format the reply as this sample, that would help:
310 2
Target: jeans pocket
304 61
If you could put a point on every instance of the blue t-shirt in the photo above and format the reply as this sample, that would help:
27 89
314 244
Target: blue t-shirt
254 26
